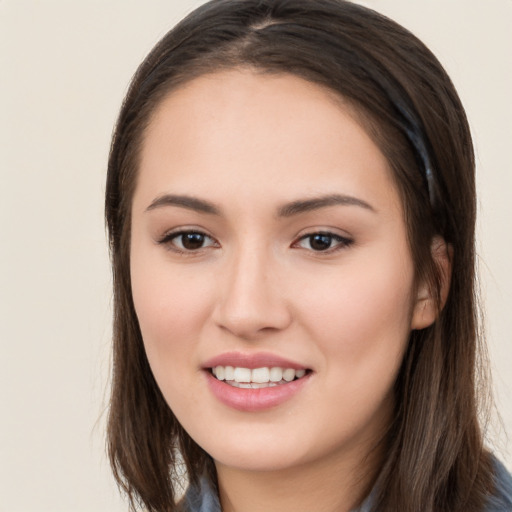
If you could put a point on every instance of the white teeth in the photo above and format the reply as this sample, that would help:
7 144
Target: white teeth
258 377
289 374
252 385
276 374
242 374
229 373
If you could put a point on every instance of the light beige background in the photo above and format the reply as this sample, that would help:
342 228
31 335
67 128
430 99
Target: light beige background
64 67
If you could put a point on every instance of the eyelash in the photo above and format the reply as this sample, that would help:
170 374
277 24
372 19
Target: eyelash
170 238
341 242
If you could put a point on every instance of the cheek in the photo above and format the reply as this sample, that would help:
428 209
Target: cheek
361 328
171 306
362 317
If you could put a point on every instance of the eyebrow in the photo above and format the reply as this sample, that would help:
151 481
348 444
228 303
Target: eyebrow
306 205
188 202
287 210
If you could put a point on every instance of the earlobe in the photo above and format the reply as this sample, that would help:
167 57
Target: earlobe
428 303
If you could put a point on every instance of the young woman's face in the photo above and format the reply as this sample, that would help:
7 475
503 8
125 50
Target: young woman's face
268 244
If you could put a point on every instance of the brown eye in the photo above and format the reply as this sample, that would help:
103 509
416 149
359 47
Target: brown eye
192 241
322 242
187 241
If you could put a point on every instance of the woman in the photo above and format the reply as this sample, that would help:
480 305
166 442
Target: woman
291 207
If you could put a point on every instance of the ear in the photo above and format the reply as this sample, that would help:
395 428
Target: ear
426 308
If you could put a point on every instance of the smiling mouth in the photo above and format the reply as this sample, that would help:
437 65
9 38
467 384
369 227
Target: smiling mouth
257 378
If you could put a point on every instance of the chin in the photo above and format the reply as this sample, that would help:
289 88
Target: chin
258 460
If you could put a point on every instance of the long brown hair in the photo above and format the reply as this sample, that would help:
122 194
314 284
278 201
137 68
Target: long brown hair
435 459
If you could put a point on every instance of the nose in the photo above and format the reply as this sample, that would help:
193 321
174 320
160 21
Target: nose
252 299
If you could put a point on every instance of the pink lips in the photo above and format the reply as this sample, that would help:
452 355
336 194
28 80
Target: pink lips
259 360
253 400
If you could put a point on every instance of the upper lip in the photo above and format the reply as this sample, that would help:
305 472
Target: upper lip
252 361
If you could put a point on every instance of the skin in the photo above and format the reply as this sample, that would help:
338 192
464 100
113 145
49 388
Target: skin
250 143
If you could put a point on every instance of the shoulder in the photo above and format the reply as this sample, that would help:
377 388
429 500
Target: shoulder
204 499
200 499
501 501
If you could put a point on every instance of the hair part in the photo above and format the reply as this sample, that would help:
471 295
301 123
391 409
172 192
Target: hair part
435 459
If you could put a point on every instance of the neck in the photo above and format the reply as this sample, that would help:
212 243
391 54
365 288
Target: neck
338 483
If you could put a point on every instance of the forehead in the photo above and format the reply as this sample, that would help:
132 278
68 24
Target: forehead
246 130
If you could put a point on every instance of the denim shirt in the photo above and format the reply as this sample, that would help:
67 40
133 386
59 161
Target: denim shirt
502 499
205 499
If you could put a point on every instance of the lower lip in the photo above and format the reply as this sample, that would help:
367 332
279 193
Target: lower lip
252 400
